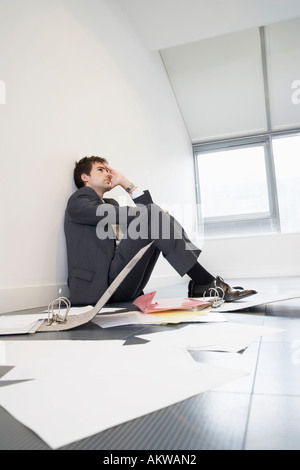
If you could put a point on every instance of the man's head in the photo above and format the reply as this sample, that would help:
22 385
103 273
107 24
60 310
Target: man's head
84 167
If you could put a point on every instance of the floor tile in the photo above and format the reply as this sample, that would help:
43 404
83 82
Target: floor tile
289 325
278 370
274 423
199 423
15 436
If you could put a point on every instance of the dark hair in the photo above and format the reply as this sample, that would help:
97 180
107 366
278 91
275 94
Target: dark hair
84 166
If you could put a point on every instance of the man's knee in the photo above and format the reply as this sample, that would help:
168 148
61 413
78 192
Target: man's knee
150 221
160 223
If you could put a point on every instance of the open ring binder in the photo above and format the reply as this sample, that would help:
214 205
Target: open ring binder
56 322
215 296
56 317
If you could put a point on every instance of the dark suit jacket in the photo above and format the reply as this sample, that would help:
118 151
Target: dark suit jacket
89 257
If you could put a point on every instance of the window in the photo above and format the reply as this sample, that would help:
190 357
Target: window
236 185
249 186
287 166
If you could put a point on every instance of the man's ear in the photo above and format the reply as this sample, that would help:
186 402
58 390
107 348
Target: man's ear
84 178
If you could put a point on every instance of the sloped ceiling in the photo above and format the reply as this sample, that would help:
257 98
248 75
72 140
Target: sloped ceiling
162 24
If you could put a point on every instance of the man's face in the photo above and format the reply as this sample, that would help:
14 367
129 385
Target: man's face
99 178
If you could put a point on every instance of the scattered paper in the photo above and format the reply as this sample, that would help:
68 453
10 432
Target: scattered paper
11 324
146 304
184 316
108 317
124 318
257 299
169 317
19 324
84 387
23 323
230 337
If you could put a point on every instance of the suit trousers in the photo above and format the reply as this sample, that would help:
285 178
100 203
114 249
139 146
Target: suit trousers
151 224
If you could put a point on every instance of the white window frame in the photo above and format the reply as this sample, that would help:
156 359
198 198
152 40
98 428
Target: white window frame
243 223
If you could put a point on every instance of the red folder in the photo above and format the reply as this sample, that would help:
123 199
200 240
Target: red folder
145 304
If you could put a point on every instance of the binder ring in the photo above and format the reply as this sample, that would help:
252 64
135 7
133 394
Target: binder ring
217 300
56 317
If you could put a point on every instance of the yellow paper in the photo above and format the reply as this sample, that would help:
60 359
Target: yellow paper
178 316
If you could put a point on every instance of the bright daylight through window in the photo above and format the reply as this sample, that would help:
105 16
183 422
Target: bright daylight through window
236 185
249 187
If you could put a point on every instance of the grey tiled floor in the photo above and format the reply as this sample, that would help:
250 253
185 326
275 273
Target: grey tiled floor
258 411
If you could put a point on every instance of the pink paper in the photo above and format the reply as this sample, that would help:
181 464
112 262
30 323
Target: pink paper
145 304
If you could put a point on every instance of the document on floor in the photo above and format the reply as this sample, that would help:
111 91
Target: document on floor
134 317
230 337
19 324
11 324
147 305
256 300
107 318
80 388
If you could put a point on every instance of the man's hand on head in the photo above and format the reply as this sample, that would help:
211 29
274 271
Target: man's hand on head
118 179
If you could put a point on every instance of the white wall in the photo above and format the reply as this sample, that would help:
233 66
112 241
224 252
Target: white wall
78 82
283 60
219 85
167 23
273 255
219 82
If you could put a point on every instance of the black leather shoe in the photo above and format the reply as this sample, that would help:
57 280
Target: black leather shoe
224 290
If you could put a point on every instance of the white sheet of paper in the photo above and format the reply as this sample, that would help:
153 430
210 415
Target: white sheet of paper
256 300
47 358
231 337
84 387
112 310
54 358
12 324
18 324
122 319
211 317
139 318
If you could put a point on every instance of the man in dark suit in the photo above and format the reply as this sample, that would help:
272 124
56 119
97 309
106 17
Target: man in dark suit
95 257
